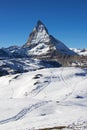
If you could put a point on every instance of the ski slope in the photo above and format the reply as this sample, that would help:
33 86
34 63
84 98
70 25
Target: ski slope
44 98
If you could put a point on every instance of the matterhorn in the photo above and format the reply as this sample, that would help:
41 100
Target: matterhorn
41 43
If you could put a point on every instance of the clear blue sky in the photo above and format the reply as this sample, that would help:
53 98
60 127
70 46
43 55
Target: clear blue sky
65 19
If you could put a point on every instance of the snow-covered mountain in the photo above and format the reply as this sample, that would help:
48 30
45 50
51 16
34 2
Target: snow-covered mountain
40 42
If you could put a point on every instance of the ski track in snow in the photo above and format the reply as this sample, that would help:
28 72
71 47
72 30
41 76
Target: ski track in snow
23 112
74 85
41 86
54 78
48 80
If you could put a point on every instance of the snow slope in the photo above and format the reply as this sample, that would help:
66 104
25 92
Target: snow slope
44 98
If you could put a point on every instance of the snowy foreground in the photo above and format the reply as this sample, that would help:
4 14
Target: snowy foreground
43 99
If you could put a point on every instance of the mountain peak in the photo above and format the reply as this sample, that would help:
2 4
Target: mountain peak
40 27
39 22
38 35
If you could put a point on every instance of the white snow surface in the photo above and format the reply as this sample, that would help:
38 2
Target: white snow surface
40 49
40 36
44 98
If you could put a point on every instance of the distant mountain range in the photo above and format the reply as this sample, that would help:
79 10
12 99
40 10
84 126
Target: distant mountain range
41 50
80 51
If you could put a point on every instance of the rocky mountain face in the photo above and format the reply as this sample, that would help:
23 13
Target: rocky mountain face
40 51
38 35
41 43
